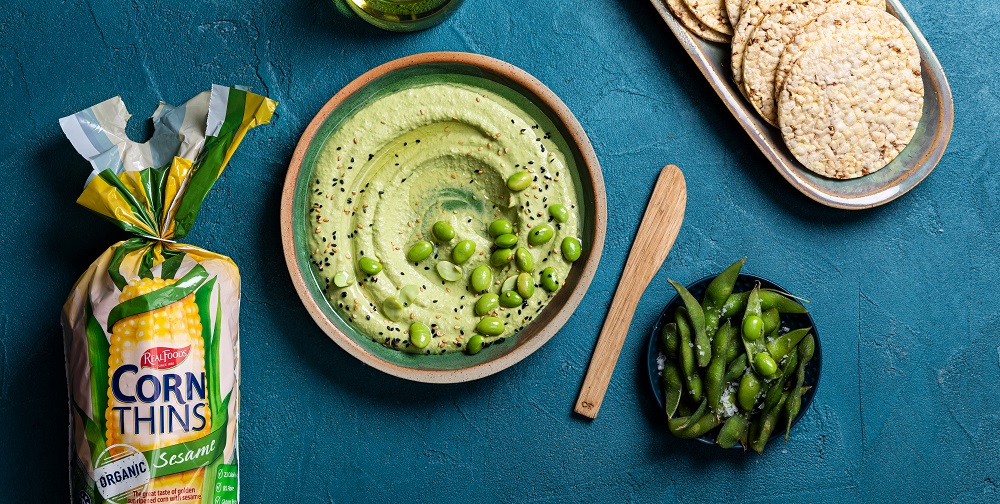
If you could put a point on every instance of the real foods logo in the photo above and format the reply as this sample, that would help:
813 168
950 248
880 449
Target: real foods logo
164 357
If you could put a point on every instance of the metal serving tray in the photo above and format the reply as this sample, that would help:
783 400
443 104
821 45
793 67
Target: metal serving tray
902 174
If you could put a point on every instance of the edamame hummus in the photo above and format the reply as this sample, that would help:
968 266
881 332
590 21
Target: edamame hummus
466 163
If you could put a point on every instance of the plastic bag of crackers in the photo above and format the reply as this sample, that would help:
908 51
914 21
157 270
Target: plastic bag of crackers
152 327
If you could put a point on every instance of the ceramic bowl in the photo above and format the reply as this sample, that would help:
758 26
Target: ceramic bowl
790 321
509 82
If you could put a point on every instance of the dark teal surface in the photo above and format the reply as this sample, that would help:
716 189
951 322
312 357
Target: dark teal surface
904 295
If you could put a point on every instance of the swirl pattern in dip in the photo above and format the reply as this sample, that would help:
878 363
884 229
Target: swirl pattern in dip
417 156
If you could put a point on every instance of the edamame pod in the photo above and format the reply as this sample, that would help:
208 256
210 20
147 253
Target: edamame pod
684 409
731 431
805 353
752 323
746 394
771 319
773 393
702 346
716 371
735 369
670 340
720 345
696 389
716 294
735 348
769 420
770 298
735 304
792 407
721 287
696 429
688 366
673 387
698 413
780 347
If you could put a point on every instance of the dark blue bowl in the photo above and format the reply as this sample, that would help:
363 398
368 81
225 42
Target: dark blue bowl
792 321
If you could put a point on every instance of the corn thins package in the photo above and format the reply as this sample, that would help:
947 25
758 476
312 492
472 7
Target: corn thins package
152 328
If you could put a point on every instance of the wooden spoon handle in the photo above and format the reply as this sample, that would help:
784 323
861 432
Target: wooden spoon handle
659 228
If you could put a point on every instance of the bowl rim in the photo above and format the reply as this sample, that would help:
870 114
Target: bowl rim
652 352
588 168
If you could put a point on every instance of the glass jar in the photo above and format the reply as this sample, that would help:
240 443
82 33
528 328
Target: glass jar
404 15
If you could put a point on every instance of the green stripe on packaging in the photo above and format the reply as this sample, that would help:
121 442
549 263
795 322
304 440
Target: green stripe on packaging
209 165
147 263
190 455
171 263
137 209
211 335
154 181
95 437
160 297
215 388
99 350
124 249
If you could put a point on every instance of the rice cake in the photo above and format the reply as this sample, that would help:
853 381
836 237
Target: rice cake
853 100
733 9
712 13
691 22
753 12
767 43
832 19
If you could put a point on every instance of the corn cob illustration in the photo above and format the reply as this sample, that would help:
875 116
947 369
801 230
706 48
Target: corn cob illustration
158 403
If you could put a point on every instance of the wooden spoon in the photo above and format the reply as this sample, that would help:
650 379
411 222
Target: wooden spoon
656 236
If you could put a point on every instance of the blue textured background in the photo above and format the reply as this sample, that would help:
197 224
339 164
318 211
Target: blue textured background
905 295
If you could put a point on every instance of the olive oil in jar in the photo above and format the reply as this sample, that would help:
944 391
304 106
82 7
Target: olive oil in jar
403 15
